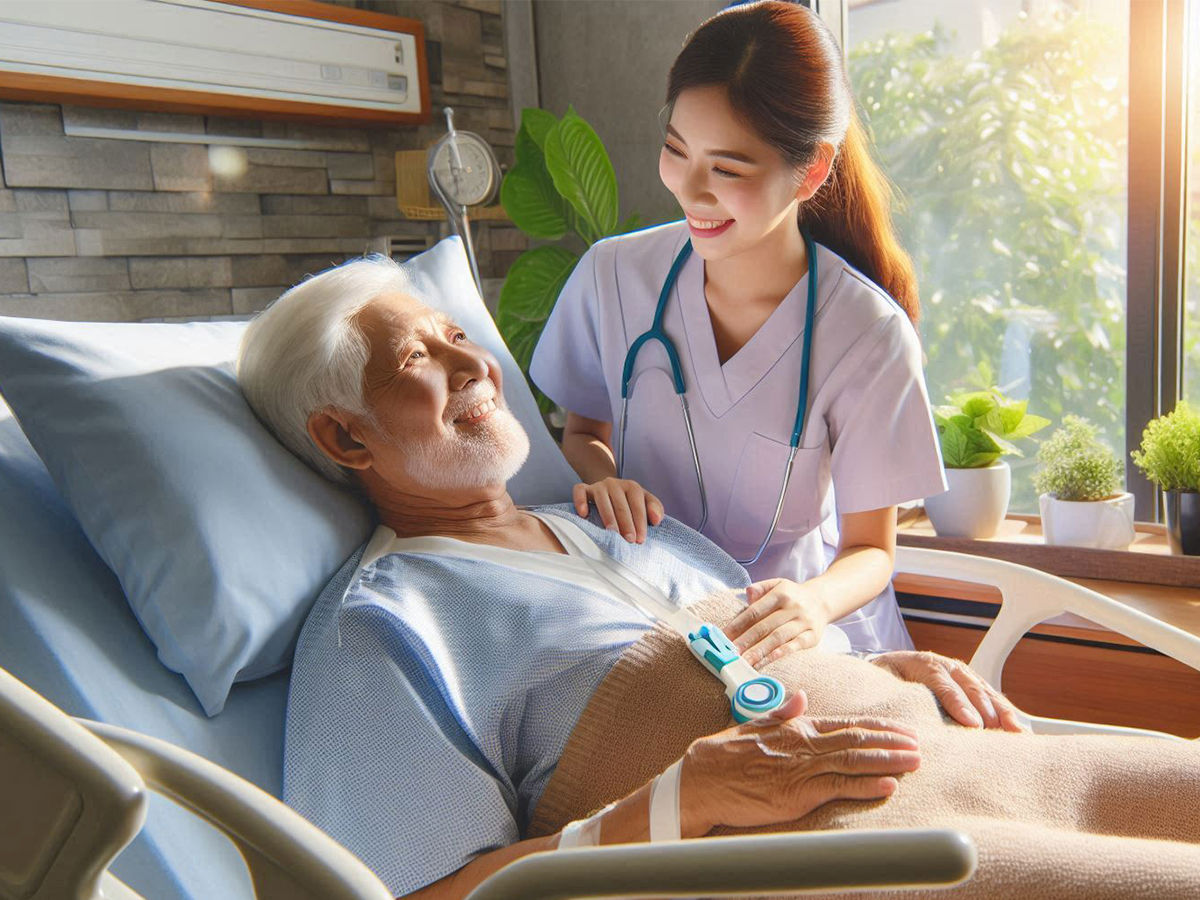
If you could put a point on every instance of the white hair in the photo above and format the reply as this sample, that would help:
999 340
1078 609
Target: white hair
305 353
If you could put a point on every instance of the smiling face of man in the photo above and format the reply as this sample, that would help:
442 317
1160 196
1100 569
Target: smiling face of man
440 420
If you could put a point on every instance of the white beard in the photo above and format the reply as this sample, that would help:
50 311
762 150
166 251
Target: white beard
489 453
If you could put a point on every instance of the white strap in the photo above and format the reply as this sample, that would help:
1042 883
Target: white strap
577 834
664 805
626 583
582 832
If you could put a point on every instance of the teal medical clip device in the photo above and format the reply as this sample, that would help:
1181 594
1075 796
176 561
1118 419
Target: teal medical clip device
750 694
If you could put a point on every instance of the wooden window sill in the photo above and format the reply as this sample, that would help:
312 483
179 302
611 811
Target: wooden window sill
1148 560
1146 577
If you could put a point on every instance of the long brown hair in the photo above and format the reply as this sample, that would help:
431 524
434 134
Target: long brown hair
784 73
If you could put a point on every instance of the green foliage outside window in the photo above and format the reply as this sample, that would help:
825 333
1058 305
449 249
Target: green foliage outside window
1191 323
1010 168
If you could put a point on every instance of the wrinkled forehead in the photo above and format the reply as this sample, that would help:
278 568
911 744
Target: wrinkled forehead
391 320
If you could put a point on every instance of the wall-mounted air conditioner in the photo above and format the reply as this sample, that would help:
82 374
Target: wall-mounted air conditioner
293 58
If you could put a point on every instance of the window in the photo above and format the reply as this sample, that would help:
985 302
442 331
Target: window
1191 324
1004 128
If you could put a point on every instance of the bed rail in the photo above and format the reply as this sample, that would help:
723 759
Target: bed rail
1030 597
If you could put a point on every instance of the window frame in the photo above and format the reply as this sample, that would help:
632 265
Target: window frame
1157 232
1156 219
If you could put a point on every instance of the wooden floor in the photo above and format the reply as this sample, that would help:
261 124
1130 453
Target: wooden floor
1072 679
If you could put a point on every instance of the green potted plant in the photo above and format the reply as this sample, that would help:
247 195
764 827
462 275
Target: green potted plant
1079 485
1170 457
561 190
975 430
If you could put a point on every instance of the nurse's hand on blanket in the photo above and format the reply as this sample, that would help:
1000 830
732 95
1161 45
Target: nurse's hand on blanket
781 617
782 767
968 699
623 504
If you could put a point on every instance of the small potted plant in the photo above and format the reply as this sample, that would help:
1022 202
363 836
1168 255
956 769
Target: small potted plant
1079 480
975 430
1170 457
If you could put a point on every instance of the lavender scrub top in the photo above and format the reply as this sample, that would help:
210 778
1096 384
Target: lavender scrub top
869 439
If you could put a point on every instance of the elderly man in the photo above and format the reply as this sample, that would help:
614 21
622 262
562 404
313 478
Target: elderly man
438 681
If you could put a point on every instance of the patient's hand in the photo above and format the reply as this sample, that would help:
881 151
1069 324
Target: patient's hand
781 617
781 768
623 504
968 699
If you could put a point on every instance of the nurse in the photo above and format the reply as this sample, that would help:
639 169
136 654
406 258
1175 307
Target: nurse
764 153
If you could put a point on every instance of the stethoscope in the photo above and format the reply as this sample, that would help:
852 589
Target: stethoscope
656 333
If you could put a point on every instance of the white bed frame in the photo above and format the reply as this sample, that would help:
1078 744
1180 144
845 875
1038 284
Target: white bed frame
73 793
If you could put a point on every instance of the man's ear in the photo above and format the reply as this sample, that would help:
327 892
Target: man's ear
818 171
330 430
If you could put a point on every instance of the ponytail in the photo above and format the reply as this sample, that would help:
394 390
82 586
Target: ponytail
851 215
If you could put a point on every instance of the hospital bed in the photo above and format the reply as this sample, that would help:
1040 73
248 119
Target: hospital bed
112 776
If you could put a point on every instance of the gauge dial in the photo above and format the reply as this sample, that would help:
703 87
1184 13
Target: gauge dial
465 168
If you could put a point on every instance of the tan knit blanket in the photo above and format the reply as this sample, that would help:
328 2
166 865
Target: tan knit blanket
1052 816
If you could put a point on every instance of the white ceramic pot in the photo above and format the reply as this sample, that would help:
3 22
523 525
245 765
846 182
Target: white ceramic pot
1103 524
976 503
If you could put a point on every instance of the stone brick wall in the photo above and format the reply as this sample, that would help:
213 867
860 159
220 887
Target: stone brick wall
124 215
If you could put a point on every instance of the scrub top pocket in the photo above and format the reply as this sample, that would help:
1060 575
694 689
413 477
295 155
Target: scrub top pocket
756 491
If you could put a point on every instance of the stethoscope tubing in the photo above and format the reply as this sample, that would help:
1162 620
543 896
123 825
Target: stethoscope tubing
657 333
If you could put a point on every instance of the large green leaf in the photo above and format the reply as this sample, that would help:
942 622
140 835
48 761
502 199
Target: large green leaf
527 193
529 292
954 445
583 174
1006 446
966 447
527 149
521 338
528 196
1028 425
978 404
537 123
943 414
1011 415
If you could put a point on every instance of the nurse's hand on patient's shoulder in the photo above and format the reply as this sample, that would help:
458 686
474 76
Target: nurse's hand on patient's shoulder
966 697
782 767
781 617
623 504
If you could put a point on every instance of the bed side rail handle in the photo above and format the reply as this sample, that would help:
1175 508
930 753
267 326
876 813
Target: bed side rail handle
756 865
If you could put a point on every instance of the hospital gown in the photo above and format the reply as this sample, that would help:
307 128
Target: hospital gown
434 689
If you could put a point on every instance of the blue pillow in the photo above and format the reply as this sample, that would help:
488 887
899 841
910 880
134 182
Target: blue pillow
221 539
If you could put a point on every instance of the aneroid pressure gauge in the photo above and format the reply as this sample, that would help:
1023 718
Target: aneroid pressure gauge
463 172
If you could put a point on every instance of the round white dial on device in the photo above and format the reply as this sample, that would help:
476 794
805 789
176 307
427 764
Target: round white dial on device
465 168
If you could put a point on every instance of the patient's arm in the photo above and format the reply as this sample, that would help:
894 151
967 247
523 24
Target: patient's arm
775 770
968 699
782 768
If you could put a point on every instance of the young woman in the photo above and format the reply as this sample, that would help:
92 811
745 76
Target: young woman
795 293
